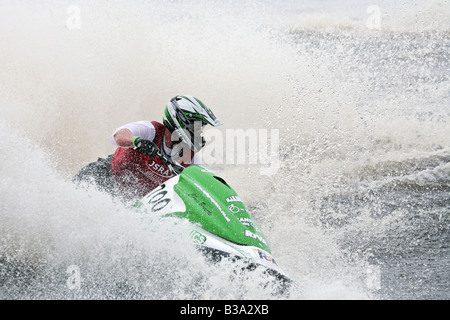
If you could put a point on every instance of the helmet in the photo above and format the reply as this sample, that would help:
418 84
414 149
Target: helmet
186 116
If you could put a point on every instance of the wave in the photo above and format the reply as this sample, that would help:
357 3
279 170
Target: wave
387 17
429 170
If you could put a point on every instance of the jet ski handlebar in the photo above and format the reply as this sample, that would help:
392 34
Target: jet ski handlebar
174 167
150 149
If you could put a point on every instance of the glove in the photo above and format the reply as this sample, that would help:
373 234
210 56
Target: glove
145 146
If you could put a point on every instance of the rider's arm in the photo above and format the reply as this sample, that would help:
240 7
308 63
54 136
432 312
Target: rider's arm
123 136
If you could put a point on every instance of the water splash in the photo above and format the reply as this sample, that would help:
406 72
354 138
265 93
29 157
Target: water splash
348 101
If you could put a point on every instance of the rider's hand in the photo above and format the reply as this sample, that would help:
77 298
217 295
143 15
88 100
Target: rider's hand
145 146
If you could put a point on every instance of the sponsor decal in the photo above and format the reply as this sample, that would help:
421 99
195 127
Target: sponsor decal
198 237
200 203
235 209
247 222
250 234
214 202
234 199
265 256
160 170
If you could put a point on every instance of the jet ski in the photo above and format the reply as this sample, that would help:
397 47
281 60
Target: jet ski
222 227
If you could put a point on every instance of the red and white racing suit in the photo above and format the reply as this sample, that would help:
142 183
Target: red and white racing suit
135 173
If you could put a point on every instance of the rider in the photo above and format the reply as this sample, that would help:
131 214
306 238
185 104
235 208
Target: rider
135 165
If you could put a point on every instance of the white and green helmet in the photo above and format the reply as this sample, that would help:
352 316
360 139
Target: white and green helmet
186 116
